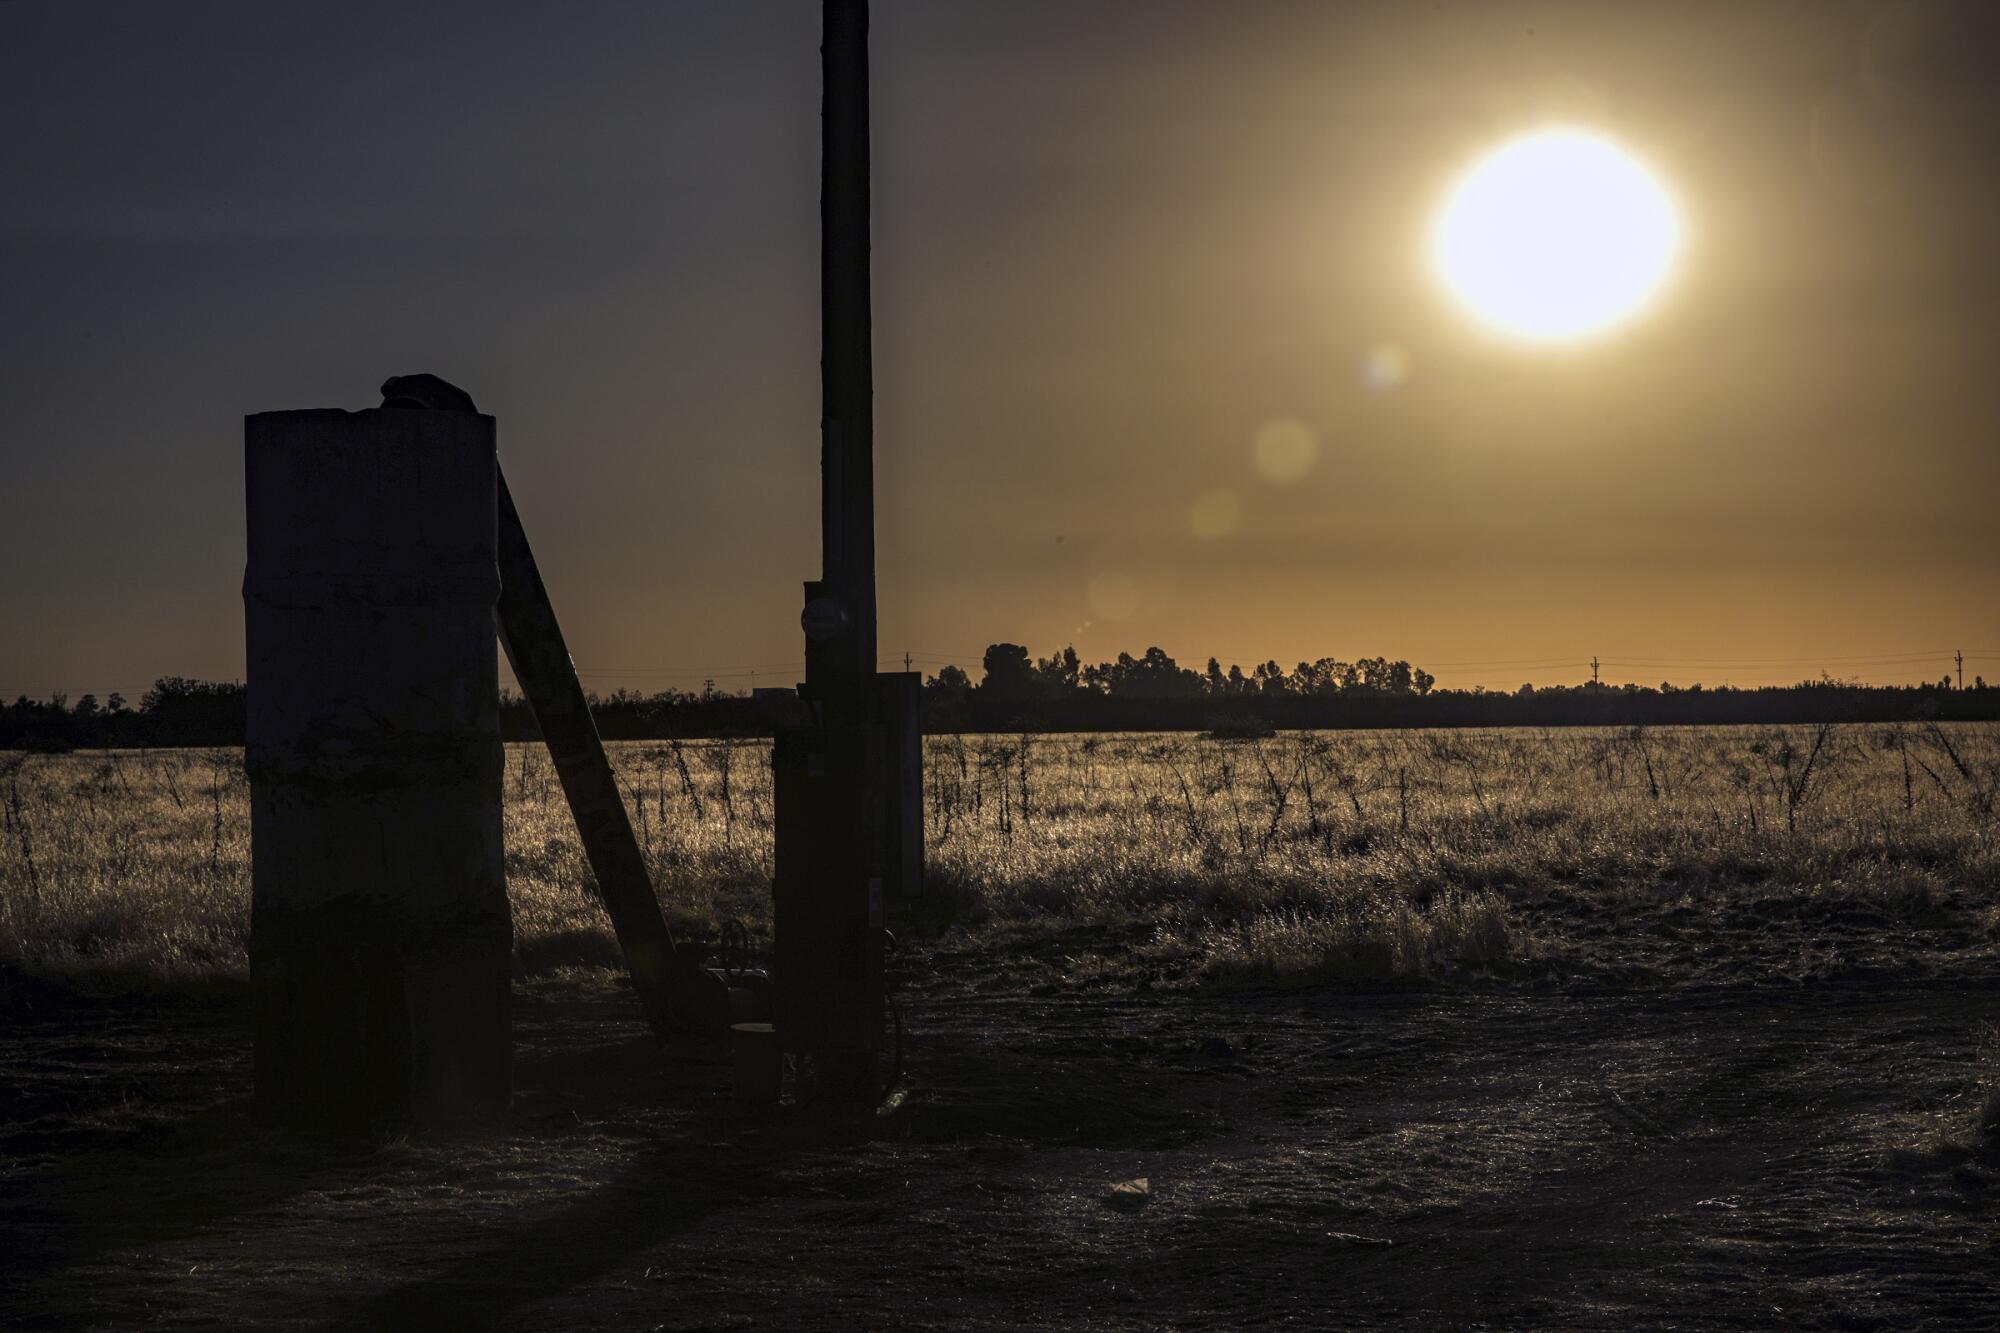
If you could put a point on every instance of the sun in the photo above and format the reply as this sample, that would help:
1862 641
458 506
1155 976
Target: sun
1557 236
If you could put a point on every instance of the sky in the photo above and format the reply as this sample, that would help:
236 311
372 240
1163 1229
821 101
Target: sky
1116 244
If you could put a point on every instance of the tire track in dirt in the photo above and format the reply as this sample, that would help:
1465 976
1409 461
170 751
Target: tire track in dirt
1559 1159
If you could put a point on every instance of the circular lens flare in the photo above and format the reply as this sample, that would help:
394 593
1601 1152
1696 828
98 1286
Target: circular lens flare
1556 236
1284 450
1216 514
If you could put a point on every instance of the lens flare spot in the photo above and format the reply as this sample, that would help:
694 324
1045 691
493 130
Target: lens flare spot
1284 450
1385 368
1216 514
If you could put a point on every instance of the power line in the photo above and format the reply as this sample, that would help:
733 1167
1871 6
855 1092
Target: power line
1779 661
681 671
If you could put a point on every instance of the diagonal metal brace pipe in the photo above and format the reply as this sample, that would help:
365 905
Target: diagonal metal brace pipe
678 995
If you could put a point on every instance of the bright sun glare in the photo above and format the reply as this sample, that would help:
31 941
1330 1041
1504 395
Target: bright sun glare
1556 236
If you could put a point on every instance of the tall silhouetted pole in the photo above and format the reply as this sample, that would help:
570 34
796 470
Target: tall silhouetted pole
840 622
830 779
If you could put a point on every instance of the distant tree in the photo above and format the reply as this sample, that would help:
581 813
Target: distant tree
1375 674
950 682
1116 677
1008 672
1058 675
179 711
1153 676
87 707
1422 680
1318 679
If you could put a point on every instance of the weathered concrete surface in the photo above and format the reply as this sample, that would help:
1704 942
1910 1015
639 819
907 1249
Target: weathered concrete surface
380 935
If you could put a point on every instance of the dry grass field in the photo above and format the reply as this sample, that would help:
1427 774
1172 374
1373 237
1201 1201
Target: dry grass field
1566 1029
1355 855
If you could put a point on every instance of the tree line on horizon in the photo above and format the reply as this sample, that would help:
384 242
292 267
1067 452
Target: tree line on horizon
1010 673
1061 692
1153 691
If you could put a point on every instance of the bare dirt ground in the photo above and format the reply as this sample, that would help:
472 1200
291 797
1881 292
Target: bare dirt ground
1741 1145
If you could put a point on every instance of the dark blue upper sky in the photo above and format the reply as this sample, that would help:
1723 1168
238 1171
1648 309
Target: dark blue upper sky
1113 241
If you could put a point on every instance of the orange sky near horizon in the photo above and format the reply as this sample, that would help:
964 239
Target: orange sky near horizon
1113 245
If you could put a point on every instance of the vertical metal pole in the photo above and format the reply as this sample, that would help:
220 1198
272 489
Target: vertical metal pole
827 873
840 665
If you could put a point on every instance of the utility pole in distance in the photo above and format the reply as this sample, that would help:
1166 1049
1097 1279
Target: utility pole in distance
1593 668
1959 657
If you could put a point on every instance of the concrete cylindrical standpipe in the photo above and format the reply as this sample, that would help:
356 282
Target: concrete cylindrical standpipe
380 939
